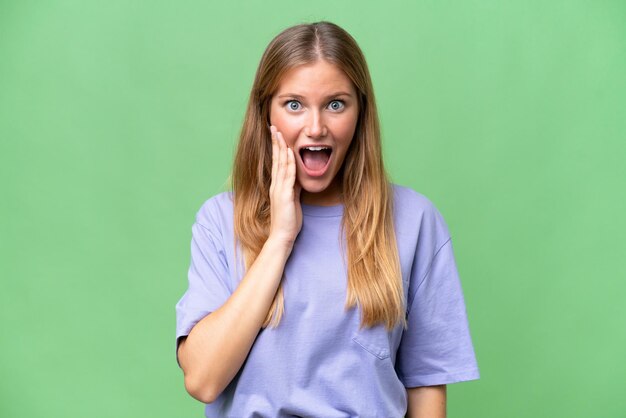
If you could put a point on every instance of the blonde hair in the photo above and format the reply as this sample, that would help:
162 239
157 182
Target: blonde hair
374 277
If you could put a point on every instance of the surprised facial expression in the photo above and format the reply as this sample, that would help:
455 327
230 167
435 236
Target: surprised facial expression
316 109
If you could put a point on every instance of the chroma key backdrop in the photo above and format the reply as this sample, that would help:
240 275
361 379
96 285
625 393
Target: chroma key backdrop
118 119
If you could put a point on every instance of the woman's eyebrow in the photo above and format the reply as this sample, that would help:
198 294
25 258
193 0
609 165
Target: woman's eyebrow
298 96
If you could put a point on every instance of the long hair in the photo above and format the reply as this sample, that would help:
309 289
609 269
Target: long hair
371 255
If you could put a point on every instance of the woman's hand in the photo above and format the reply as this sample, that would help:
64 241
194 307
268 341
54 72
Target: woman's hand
286 212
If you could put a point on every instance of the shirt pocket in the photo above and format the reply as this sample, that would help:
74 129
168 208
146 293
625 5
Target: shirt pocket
374 340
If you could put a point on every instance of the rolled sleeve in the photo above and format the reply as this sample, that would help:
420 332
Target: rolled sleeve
208 280
436 348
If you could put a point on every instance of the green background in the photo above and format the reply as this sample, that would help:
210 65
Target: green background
119 118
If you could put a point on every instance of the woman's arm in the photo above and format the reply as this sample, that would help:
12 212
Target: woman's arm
217 345
427 402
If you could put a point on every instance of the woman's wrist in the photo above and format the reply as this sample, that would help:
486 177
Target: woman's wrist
278 246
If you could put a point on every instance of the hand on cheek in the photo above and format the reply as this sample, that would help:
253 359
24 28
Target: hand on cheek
286 212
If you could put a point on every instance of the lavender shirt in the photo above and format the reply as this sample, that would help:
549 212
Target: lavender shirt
318 362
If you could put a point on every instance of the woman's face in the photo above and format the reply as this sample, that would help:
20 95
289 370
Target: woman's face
316 109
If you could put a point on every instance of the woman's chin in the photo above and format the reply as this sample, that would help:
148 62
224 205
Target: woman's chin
313 189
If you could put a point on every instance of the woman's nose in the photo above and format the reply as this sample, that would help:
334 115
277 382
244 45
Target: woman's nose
315 126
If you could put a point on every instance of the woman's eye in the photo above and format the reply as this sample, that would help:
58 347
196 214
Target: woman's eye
293 105
336 105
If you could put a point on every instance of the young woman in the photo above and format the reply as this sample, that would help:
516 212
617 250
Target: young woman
316 287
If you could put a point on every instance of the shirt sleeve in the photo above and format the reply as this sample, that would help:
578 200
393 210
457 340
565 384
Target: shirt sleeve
436 348
208 279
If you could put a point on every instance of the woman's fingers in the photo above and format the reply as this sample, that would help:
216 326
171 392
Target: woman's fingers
291 168
283 163
274 156
282 158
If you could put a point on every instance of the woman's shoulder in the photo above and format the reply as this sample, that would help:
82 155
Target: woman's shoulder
216 210
413 208
407 198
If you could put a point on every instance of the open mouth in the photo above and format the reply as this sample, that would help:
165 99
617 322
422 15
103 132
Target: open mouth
316 158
